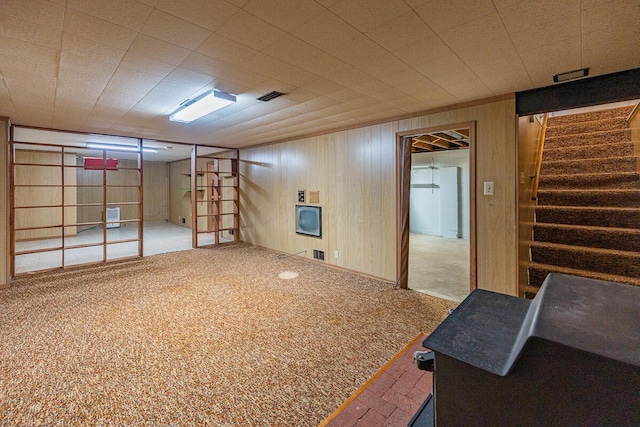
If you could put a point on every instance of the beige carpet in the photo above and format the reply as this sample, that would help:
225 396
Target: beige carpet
201 337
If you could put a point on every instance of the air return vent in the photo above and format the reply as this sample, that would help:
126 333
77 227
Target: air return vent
269 96
318 254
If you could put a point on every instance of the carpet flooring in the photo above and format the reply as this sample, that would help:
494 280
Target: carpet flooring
588 205
201 337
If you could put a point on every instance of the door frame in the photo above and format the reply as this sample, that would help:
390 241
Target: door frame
403 188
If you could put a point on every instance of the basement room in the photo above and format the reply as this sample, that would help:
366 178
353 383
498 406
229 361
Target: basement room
319 213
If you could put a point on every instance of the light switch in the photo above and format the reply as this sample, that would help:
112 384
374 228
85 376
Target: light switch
488 188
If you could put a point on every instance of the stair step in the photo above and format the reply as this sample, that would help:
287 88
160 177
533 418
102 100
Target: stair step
588 180
587 127
610 198
538 272
615 149
600 165
609 261
623 239
594 216
594 138
610 113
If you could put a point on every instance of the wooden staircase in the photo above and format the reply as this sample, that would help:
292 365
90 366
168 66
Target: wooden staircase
588 212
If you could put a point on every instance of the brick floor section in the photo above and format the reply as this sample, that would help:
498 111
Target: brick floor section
391 398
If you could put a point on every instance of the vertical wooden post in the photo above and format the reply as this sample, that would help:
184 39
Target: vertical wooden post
6 259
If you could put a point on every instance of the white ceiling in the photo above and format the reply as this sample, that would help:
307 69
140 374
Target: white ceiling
121 66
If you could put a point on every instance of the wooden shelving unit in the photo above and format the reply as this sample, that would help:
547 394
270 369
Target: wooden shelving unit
223 198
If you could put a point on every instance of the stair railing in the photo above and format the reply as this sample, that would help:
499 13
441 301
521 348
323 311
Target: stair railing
536 173
633 113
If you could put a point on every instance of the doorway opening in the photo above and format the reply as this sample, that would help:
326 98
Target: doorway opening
436 243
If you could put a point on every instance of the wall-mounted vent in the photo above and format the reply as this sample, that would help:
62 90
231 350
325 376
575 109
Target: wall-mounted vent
269 96
318 254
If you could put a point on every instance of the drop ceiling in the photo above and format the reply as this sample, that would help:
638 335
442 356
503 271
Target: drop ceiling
122 66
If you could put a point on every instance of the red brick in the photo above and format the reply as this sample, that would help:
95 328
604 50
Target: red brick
401 401
357 408
417 395
399 418
372 419
344 419
407 381
382 384
395 371
375 402
425 383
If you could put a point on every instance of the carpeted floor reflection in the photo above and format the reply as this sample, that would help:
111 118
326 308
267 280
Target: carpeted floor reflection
201 337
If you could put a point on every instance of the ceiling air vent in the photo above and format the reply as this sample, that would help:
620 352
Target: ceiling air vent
269 96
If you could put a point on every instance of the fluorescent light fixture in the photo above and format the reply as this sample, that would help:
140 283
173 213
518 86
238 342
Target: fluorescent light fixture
208 102
571 75
116 147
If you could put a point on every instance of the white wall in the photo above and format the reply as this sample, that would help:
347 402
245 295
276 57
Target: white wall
424 204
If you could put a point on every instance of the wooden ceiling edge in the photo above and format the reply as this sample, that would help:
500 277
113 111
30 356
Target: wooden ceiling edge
450 107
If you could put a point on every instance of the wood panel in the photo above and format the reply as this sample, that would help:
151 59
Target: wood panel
5 241
528 133
27 199
155 191
354 171
634 123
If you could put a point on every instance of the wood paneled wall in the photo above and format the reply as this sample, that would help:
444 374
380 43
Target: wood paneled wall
5 249
155 188
355 172
528 138
44 196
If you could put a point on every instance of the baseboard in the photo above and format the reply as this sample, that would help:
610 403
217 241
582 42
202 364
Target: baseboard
315 261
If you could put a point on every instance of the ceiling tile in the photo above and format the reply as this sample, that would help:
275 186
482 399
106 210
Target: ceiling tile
84 47
482 30
219 70
179 32
267 66
82 67
357 50
158 50
250 31
190 77
16 28
13 48
146 65
209 14
443 65
38 12
423 52
224 49
135 82
565 55
445 15
366 15
611 16
292 50
487 52
326 31
25 81
284 14
127 13
97 30
401 31
546 34
525 15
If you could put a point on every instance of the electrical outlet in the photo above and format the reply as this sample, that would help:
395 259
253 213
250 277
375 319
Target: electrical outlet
336 254
488 188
